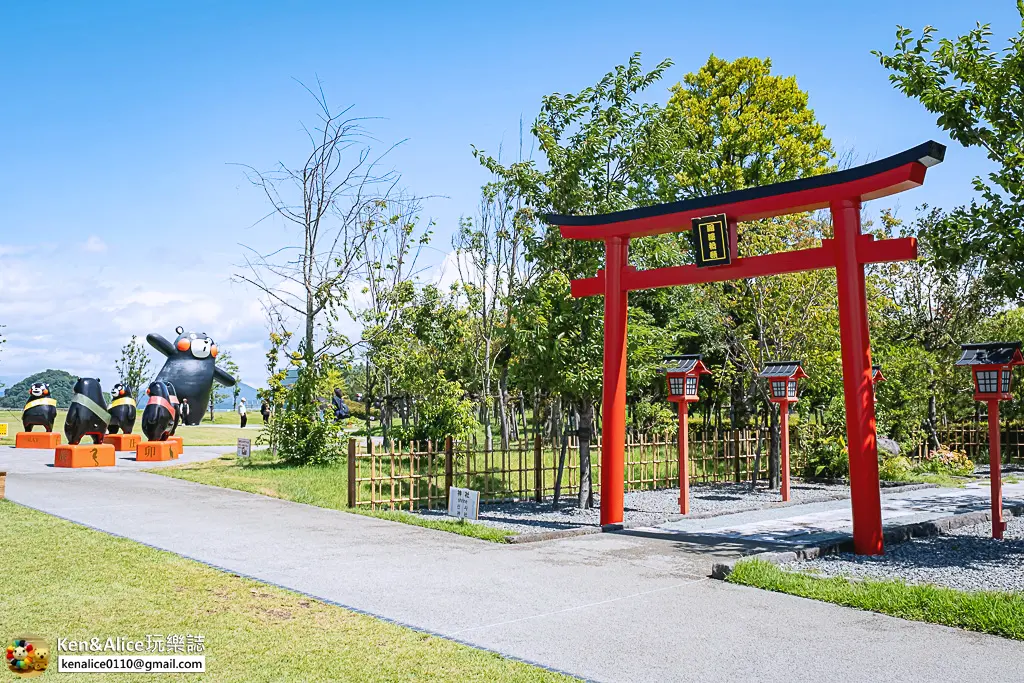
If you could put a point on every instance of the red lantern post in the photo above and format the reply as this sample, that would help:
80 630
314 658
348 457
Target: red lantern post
683 379
782 379
992 367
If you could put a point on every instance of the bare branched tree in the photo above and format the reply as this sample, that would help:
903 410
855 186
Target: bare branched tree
490 260
334 201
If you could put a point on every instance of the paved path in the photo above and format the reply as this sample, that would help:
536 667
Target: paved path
609 607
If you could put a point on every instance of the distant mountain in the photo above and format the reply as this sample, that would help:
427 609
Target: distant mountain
62 385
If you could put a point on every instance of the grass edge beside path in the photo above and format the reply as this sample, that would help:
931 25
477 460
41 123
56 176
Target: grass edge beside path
227 472
76 582
992 612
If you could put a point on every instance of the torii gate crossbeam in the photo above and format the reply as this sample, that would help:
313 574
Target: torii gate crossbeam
848 251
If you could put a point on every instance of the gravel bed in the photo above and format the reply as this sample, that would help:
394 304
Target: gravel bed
966 559
645 508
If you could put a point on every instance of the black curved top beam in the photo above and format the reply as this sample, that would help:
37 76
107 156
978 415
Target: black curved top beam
928 154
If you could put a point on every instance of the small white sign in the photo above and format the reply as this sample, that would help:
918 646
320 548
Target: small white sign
463 503
244 446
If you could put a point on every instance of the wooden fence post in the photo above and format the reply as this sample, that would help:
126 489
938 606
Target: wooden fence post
449 466
736 452
351 473
538 469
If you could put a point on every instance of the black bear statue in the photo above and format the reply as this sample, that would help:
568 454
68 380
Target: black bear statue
41 408
122 409
158 415
172 394
191 368
88 414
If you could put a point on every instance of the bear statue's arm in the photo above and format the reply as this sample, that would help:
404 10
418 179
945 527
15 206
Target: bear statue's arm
160 344
223 377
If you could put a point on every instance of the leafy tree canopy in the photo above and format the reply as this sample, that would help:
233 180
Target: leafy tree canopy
976 93
734 125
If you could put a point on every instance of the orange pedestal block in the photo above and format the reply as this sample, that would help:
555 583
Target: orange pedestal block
123 442
84 455
179 445
45 440
155 451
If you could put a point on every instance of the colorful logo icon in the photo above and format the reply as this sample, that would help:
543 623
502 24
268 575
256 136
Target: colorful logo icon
28 655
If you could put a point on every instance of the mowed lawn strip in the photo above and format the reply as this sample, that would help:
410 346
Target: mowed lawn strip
65 580
324 486
1000 614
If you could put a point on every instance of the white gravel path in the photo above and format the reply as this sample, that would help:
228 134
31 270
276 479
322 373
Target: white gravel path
647 508
966 559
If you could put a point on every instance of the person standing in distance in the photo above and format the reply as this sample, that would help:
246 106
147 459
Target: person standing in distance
265 412
241 412
185 410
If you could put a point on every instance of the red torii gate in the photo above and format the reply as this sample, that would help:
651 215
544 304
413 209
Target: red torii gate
842 193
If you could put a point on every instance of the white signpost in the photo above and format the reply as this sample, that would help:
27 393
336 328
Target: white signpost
244 447
463 503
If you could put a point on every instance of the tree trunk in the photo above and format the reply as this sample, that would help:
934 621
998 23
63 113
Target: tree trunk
561 466
556 417
933 419
503 406
774 450
369 403
584 434
757 450
522 414
536 413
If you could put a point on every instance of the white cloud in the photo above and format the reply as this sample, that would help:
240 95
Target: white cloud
95 245
62 310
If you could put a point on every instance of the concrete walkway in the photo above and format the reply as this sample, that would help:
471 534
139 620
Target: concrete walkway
610 607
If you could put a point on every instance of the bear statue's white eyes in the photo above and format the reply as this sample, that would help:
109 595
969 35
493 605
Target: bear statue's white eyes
192 336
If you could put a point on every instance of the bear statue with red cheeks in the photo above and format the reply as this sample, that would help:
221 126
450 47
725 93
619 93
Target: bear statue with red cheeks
191 368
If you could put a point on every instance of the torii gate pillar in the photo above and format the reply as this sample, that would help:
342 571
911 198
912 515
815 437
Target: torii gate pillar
613 405
858 392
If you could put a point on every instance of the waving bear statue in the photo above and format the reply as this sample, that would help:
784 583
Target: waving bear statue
88 413
191 368
41 408
122 409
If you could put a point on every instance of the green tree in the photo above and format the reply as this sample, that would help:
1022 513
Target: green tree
133 368
219 393
928 309
274 393
601 149
976 94
733 124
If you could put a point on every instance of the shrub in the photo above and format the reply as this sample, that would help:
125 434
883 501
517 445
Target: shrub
895 468
946 461
305 440
827 457
655 418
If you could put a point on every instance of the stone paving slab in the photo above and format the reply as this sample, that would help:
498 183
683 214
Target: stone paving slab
608 607
817 523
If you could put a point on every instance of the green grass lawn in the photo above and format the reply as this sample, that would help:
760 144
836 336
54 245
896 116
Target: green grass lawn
64 580
1000 614
323 486
199 435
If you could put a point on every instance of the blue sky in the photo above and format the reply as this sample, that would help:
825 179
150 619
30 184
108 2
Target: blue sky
121 211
